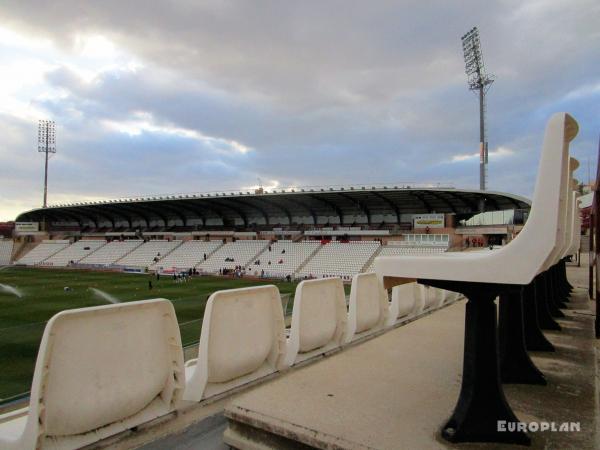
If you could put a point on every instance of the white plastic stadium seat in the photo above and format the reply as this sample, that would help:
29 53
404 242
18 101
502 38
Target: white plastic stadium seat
242 339
99 371
403 303
482 276
368 307
319 319
537 239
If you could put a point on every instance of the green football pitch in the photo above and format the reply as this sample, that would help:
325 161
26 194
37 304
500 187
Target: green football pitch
22 320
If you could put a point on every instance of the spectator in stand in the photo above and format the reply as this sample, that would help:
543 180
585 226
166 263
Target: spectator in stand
205 257
283 251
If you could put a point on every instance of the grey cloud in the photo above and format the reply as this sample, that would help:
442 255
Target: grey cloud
324 92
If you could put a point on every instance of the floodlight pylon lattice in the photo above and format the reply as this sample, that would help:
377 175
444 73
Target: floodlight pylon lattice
46 145
478 80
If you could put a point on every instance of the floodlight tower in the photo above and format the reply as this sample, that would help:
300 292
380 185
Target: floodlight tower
479 81
47 145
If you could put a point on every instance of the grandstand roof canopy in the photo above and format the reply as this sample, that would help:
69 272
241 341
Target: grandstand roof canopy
285 207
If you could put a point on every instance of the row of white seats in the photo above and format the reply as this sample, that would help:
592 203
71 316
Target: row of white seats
6 249
143 256
340 259
75 252
42 252
535 257
107 369
296 253
187 255
241 251
111 252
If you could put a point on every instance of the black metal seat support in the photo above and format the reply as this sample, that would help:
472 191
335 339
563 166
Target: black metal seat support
535 340
515 364
545 319
481 403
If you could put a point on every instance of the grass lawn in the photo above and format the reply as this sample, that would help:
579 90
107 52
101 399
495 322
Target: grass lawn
22 320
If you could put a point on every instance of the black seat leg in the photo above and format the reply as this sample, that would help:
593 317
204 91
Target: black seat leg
559 294
535 340
545 319
552 307
515 364
481 406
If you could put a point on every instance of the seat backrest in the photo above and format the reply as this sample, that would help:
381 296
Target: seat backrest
544 230
563 240
319 317
569 227
97 366
241 330
403 301
575 228
368 304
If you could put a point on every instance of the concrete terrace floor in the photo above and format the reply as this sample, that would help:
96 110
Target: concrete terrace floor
396 391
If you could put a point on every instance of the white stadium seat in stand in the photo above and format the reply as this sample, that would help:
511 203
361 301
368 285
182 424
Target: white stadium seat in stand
99 371
242 339
319 319
483 276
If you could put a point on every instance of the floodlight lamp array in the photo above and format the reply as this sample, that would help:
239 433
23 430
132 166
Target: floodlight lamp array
47 136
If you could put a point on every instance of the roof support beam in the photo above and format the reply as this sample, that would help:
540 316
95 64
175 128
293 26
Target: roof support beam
253 206
331 205
390 203
444 200
87 211
76 217
420 197
191 208
205 206
138 214
463 198
175 211
358 203
238 211
152 208
491 199
272 201
119 212
311 211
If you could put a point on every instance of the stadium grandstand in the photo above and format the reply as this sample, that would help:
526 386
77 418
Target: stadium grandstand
293 233
375 207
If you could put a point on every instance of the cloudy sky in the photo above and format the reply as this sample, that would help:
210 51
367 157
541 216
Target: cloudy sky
186 96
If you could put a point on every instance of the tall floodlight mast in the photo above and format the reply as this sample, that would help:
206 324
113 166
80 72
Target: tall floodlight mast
478 81
47 145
